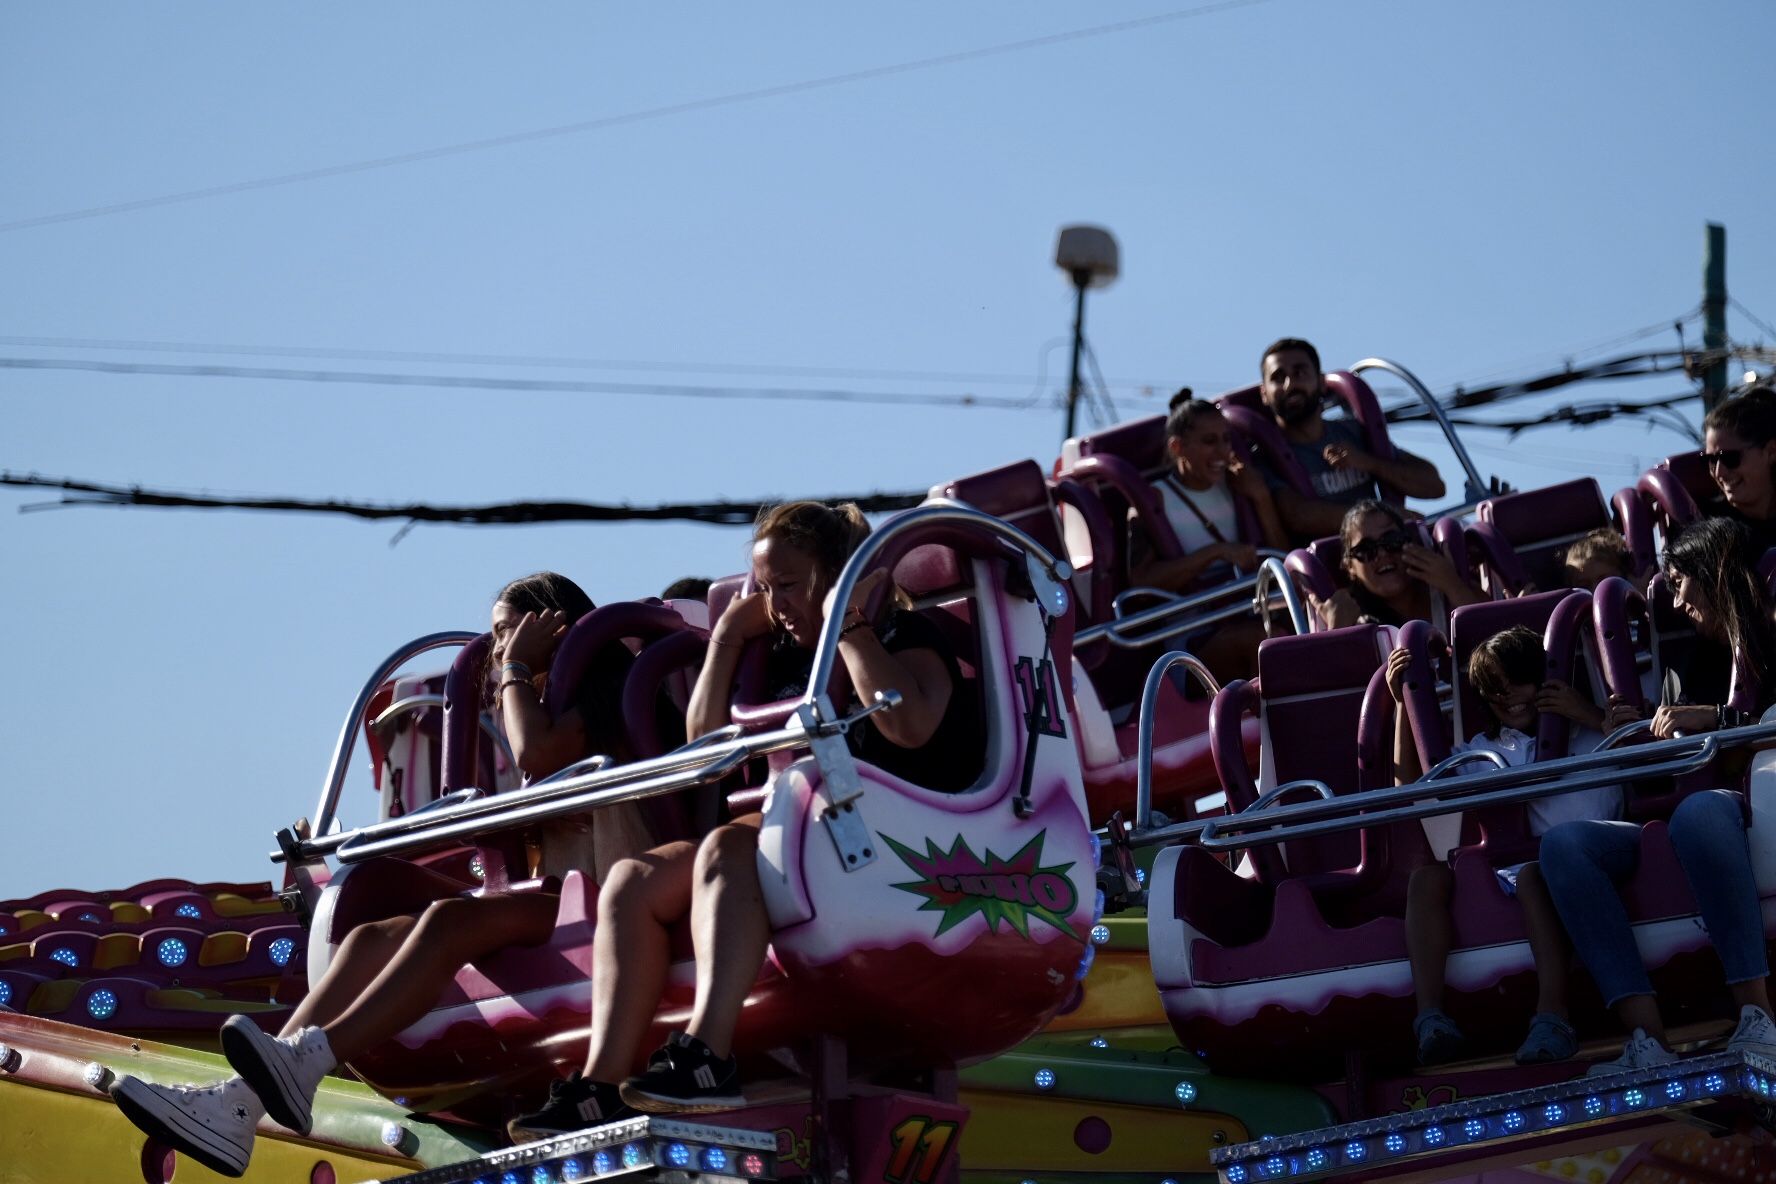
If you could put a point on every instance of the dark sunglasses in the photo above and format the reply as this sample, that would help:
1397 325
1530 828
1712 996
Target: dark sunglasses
1394 541
1726 458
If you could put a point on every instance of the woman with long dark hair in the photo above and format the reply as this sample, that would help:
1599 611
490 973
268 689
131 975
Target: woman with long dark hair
387 974
1585 862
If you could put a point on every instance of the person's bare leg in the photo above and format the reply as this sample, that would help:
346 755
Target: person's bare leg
1642 1011
357 962
1755 992
729 928
631 952
1548 943
1429 932
449 933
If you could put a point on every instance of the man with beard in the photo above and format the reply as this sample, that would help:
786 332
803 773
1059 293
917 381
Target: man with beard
1333 451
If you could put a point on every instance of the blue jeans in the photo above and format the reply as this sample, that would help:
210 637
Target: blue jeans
1584 863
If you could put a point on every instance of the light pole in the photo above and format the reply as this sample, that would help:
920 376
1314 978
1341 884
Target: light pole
1089 256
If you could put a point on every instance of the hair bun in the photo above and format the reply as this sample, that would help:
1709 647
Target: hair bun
1184 395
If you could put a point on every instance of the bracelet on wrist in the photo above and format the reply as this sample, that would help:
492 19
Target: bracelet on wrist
854 626
517 682
518 668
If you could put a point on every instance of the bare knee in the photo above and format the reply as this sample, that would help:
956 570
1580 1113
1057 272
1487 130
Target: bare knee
725 850
377 935
1431 886
644 885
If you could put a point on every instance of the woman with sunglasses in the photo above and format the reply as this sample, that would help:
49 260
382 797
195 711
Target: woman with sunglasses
1739 448
1394 578
1585 862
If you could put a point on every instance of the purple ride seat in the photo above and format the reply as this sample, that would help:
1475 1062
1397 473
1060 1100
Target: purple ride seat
1520 537
1318 568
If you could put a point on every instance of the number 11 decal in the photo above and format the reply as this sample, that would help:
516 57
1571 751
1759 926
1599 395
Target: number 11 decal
919 1146
1042 699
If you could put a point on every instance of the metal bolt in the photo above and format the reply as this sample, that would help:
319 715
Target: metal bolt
97 1076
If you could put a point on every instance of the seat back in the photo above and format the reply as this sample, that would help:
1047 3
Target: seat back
1309 695
1538 524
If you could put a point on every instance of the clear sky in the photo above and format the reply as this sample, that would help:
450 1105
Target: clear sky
1473 189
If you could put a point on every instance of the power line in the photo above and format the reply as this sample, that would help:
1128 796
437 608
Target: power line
129 345
630 117
1752 316
534 385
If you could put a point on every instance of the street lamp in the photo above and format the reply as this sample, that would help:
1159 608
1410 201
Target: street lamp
1089 257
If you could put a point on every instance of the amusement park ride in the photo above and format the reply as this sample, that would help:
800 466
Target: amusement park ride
1153 943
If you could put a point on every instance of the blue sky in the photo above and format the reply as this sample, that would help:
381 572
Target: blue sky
1471 189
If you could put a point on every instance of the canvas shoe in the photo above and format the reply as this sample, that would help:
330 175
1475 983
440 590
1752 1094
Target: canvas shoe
1641 1052
212 1124
1439 1040
684 1077
573 1105
1550 1039
283 1070
1755 1033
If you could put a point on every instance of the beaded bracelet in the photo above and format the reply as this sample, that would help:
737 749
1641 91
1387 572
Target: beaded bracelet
517 682
522 670
854 626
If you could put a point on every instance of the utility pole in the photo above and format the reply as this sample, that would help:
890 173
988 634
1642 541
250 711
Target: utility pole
1714 314
1081 281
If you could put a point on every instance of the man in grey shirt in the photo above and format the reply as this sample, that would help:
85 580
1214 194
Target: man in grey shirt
1334 452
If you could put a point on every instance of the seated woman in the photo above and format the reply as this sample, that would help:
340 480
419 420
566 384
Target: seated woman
1739 448
1585 862
933 739
1199 495
1509 671
1392 575
387 974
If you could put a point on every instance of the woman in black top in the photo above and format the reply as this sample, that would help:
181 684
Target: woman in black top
1391 573
933 738
1739 448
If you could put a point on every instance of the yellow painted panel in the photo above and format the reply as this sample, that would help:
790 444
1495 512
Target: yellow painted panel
20 949
117 949
1119 993
29 919
52 1137
182 999
219 948
1022 1132
127 912
228 904
52 997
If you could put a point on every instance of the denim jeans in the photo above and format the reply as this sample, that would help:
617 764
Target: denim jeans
1585 862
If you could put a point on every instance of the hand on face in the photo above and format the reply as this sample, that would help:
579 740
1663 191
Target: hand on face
533 639
1433 567
866 587
1561 699
745 618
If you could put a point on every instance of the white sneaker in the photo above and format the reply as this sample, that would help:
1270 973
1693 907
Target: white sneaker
1756 1032
212 1124
1641 1052
282 1070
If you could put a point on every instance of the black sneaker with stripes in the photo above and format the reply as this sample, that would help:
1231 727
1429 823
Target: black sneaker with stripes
684 1077
573 1105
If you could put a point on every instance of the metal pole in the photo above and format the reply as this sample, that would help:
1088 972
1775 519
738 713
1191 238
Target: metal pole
1081 279
1714 313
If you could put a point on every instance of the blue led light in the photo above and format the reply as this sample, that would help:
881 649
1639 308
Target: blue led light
715 1159
633 1155
65 956
1318 1160
1433 1136
540 1174
1100 934
5 992
1085 962
1555 1112
1473 1128
1593 1106
510 1178
1185 1092
189 911
1514 1120
1714 1083
1395 1143
1097 850
1674 1090
1633 1097
171 952
90 918
101 1004
4 931
678 1155
281 949
571 1169
1099 1042
602 1162
1140 875
1098 907
1236 1174
1274 1166
1355 1152
1045 1079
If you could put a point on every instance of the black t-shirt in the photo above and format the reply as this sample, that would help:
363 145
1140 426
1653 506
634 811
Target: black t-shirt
1761 530
951 760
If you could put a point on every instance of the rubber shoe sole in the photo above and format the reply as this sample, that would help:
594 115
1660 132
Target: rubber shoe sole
257 1058
652 1103
159 1119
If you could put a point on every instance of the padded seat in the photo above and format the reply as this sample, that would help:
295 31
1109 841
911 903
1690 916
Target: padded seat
1531 530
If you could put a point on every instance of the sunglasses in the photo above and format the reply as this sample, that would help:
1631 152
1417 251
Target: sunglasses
1726 458
1393 541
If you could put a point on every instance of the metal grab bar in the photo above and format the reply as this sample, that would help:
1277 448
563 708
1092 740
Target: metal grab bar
413 702
1476 490
1633 728
1456 759
1124 632
1526 782
1433 806
328 807
719 735
1239 584
1273 571
826 650
589 764
1267 799
1149 710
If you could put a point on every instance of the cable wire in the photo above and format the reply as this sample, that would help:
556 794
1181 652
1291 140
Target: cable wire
580 127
